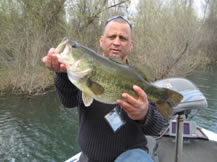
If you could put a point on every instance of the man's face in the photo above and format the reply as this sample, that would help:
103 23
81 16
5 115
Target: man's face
116 40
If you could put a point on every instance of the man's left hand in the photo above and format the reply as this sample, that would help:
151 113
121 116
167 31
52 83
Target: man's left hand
136 108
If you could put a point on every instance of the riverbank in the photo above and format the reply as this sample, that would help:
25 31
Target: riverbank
31 82
26 82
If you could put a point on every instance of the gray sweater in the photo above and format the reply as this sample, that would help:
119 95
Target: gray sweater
96 138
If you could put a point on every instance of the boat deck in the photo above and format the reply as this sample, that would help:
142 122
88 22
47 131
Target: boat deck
194 150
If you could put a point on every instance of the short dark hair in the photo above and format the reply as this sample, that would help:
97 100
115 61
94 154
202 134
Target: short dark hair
120 18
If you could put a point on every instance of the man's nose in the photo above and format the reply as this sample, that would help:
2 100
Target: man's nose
116 41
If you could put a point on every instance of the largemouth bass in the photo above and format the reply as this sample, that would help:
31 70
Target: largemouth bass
104 80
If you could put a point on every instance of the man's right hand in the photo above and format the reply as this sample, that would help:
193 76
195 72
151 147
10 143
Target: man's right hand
52 63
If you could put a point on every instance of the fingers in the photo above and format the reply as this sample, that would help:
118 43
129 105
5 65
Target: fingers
131 100
52 63
62 68
51 51
136 108
136 102
126 106
135 113
141 94
55 65
47 60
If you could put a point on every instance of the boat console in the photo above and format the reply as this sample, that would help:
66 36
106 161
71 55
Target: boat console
193 99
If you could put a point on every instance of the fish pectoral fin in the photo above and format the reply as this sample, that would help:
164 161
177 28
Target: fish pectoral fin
96 88
87 99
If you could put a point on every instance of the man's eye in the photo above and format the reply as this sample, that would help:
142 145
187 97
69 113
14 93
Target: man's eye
123 38
112 37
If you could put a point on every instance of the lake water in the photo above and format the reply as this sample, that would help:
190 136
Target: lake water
40 129
207 83
36 129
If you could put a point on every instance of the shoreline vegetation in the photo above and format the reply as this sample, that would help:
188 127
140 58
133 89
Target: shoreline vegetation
168 36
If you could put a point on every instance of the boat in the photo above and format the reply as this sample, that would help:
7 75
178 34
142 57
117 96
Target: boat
183 140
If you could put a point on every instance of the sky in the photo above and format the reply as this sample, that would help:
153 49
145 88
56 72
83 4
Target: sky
197 6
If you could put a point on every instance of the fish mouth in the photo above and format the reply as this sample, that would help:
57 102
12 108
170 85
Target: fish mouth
61 47
63 44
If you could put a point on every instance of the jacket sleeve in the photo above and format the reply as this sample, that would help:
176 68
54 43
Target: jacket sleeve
66 91
154 122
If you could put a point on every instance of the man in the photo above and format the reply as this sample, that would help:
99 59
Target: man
98 141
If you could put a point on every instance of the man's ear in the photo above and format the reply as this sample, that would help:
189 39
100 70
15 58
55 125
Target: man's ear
101 41
131 45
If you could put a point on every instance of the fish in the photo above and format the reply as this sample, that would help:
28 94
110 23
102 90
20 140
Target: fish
102 79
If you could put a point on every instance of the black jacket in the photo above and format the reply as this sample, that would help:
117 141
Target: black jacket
96 138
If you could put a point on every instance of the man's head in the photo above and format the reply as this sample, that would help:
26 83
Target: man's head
116 39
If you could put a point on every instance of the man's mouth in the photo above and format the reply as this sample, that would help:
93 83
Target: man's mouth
116 51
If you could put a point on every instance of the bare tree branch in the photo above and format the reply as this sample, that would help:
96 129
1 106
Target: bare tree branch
118 4
169 68
99 11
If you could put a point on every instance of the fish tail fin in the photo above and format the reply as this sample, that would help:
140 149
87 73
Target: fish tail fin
165 106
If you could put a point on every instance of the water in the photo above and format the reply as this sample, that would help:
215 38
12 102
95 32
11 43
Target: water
40 129
207 83
36 129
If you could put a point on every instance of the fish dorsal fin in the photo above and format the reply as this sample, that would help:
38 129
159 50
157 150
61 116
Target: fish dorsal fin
146 71
116 59
96 88
87 99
